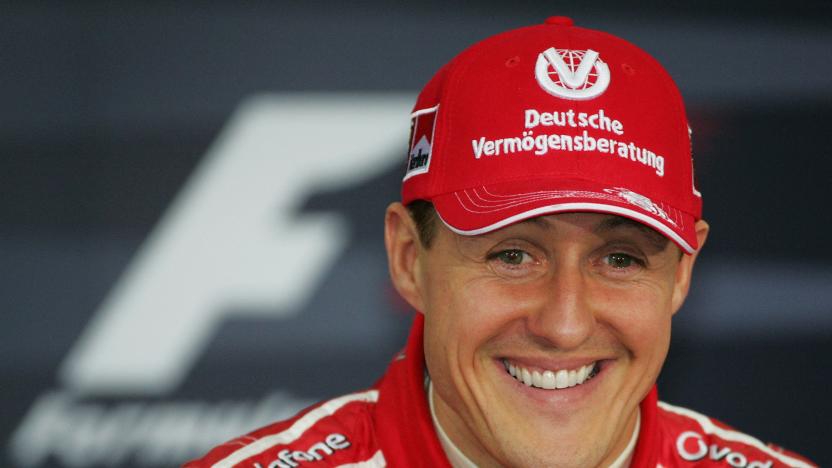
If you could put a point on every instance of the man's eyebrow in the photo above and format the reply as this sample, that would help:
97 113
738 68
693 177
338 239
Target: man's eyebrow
537 221
615 222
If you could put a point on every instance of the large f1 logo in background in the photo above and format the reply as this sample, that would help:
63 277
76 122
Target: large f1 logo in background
230 237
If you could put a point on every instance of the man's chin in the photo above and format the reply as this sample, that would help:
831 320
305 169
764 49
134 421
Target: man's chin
555 427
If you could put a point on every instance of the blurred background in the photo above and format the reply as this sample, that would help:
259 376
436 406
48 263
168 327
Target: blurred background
193 195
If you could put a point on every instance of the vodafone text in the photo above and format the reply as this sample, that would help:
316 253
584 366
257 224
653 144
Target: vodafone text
318 451
692 447
541 144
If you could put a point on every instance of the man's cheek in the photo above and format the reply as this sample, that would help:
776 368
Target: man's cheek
485 304
644 299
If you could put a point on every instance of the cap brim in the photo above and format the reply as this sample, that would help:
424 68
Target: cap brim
484 209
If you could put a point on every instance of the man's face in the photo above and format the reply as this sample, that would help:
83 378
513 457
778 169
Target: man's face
557 300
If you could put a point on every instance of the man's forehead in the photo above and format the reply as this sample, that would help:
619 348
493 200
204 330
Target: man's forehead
601 224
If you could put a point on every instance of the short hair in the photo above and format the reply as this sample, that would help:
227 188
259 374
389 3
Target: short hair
424 215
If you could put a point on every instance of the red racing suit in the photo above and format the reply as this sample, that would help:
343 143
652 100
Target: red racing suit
390 425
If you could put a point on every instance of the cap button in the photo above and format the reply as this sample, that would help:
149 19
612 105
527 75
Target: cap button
560 21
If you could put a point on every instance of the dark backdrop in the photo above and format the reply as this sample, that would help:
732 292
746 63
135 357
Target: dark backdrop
140 143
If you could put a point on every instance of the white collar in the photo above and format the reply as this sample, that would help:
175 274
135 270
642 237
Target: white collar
626 456
454 454
459 460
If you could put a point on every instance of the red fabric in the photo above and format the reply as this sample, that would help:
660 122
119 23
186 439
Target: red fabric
400 427
498 93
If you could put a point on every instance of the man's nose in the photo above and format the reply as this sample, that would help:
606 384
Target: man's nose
564 316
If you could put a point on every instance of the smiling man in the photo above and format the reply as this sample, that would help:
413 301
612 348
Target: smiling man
543 337
547 234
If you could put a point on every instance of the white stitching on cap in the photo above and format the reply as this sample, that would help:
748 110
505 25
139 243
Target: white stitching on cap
476 200
554 194
533 196
529 196
500 205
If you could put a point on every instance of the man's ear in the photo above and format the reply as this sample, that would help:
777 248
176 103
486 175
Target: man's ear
685 268
401 238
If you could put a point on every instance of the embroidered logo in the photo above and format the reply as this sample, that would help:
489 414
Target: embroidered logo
640 201
692 447
422 124
317 452
572 74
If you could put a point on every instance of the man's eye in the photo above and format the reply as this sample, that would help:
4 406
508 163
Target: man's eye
511 257
621 260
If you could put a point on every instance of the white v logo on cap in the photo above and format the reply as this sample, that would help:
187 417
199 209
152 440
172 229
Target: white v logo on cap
572 82
570 78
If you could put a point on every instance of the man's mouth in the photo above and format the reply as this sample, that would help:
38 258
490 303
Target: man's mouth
551 379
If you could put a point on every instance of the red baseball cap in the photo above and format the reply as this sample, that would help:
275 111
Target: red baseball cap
553 118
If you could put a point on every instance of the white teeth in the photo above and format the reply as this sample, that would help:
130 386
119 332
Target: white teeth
548 379
582 373
527 376
562 378
537 379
